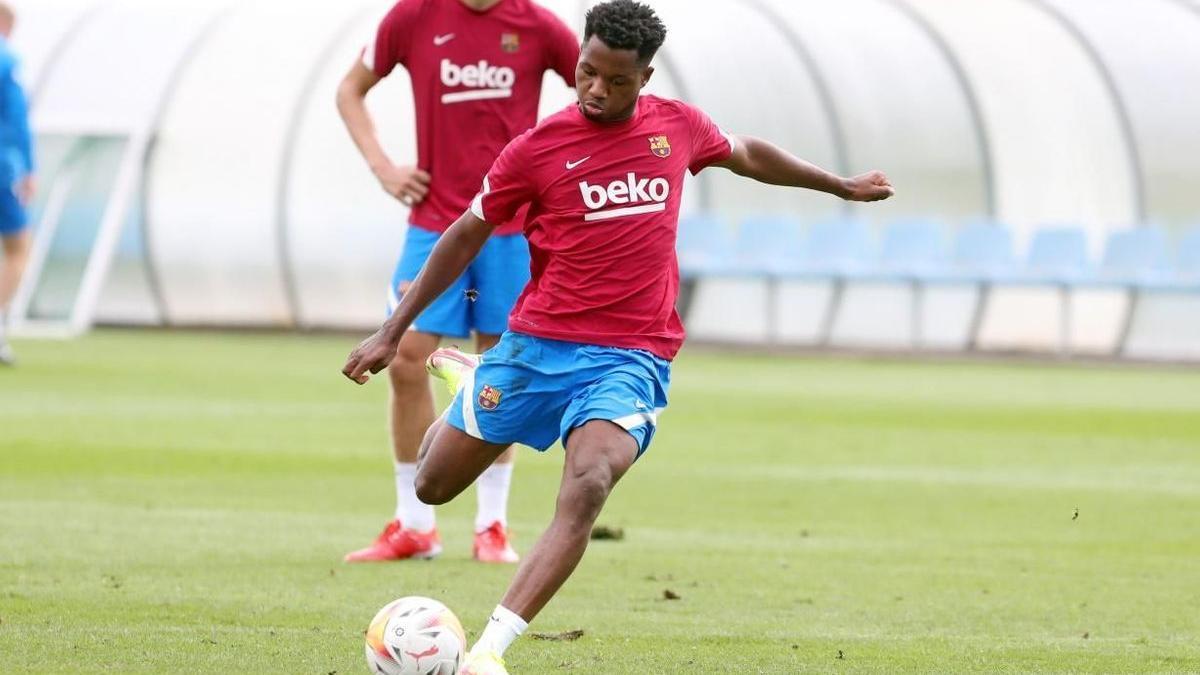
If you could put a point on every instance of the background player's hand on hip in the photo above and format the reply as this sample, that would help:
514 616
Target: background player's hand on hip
409 184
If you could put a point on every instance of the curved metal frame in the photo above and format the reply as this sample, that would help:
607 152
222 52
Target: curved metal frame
1132 150
960 74
291 293
35 88
153 278
828 104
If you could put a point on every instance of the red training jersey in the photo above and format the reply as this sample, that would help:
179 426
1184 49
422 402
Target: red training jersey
604 212
476 80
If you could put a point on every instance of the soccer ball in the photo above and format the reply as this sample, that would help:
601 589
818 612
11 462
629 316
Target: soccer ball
415 636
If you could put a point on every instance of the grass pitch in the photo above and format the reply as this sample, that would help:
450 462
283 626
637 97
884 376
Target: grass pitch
174 502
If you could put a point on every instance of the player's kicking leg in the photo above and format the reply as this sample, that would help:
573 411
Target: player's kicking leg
598 454
528 389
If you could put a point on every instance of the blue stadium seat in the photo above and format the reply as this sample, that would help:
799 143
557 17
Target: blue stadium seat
913 250
769 246
703 246
983 252
1134 257
1187 261
1057 255
838 249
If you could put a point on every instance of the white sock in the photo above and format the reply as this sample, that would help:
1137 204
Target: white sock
504 627
492 490
410 511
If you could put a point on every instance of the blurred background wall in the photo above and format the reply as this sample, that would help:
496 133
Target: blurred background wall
198 141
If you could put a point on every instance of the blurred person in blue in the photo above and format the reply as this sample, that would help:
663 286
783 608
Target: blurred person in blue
16 177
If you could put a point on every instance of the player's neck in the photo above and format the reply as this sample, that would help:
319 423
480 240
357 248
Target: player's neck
480 5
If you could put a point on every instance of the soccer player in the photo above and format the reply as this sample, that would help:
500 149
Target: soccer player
587 356
476 68
17 183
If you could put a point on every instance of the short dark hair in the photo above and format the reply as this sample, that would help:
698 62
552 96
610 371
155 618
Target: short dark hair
626 24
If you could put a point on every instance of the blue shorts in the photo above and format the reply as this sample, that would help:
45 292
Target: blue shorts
13 218
534 391
480 300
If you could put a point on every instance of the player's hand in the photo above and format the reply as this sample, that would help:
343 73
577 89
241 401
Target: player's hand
407 183
24 189
370 356
872 186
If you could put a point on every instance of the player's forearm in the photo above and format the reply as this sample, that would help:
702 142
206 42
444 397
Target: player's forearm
352 106
450 257
767 163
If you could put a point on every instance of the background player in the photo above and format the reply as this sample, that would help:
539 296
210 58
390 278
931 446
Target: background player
476 69
16 178
587 356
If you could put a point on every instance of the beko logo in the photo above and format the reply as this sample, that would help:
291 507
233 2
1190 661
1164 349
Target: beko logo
485 81
643 195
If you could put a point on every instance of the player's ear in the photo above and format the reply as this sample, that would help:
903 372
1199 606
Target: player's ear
646 73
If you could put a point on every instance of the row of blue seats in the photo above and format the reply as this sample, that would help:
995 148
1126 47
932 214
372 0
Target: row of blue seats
921 251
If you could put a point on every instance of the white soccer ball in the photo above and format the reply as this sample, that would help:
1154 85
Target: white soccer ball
415 636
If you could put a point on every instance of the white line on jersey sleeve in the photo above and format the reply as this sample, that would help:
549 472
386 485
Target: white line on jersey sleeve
368 57
729 137
477 203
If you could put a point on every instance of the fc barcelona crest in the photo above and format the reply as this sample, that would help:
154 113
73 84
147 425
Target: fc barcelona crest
660 146
489 397
510 42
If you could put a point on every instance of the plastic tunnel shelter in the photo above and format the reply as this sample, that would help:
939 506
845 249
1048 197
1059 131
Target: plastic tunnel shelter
1059 153
213 204
95 112
42 29
897 102
1155 71
194 169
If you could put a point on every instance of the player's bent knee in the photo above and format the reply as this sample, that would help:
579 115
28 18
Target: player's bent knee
432 491
585 490
408 370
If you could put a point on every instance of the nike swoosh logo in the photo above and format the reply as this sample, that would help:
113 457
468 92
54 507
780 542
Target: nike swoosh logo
439 40
572 165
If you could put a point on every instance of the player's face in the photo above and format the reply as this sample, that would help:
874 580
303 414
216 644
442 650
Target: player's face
608 81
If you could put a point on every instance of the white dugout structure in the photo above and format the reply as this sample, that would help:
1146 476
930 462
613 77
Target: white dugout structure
194 170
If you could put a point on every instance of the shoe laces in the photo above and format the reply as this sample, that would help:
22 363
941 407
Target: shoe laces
495 534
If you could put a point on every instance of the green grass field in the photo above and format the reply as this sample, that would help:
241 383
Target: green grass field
176 502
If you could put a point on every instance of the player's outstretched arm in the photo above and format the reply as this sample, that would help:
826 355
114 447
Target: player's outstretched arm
406 183
450 257
767 163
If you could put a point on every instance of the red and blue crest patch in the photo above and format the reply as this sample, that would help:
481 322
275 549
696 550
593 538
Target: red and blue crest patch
489 397
660 146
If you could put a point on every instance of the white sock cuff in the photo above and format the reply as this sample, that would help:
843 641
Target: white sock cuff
498 471
510 618
410 511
